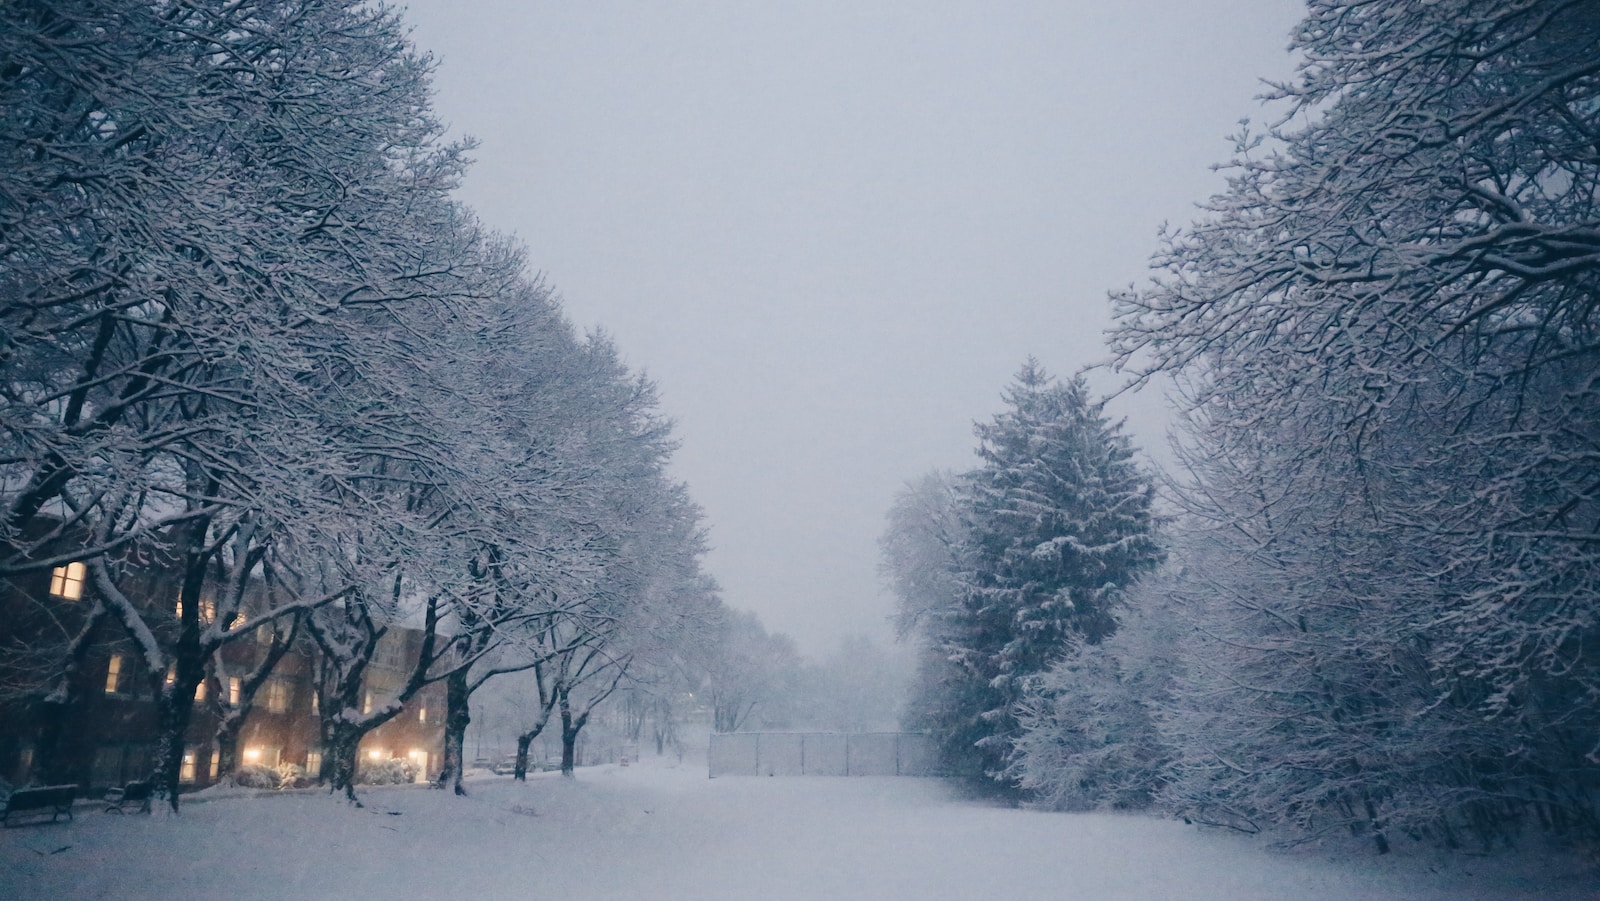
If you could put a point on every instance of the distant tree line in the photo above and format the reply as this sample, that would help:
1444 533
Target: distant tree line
1381 609
246 332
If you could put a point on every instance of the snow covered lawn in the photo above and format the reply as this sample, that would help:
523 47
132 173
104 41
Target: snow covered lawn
664 832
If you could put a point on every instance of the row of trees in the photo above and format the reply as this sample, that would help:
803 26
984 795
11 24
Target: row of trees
1380 615
731 675
247 337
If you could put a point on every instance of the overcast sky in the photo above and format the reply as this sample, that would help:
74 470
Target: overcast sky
832 231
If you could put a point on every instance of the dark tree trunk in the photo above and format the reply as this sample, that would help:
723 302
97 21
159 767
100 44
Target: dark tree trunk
175 706
520 771
176 701
228 747
1381 840
569 737
458 715
340 758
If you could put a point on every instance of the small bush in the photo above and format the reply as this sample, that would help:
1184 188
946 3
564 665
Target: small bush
256 775
292 775
394 771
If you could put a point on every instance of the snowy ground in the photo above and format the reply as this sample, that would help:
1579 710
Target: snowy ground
660 831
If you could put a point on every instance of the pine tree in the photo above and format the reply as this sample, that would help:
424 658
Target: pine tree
1058 524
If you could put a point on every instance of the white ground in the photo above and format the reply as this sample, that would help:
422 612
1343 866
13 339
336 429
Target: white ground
663 832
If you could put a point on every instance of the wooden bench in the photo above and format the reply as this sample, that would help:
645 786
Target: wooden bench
134 795
34 803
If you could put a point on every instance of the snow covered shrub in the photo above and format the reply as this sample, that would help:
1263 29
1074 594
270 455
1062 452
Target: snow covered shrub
1088 735
395 771
293 776
256 775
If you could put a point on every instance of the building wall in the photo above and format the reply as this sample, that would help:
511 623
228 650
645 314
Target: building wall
109 735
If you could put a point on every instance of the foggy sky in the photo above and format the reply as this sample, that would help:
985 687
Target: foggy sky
832 231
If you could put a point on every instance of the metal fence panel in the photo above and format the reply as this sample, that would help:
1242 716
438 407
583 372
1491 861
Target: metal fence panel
821 754
734 754
827 754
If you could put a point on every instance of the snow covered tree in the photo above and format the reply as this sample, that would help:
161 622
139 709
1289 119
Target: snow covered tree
752 674
1386 335
1090 727
1056 524
209 214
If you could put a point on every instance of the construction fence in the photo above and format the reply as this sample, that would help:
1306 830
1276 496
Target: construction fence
822 754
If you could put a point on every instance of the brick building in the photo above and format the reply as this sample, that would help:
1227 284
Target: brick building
108 734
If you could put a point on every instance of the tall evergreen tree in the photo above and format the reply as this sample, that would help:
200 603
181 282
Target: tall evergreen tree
1058 523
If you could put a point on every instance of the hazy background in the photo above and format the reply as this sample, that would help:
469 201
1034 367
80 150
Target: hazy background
832 231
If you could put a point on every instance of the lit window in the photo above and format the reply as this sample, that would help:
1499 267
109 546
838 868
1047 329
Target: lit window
277 696
186 772
114 674
234 688
314 763
422 713
200 694
366 703
316 704
172 673
264 635
216 759
252 755
67 581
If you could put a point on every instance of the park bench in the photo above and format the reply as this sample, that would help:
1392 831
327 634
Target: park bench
134 795
34 803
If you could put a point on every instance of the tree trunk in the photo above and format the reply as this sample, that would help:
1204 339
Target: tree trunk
520 771
1378 838
173 727
457 716
340 759
176 701
569 737
175 704
228 747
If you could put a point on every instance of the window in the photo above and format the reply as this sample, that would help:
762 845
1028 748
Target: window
114 674
66 582
277 695
366 703
234 689
200 690
313 763
422 714
216 759
263 635
316 704
186 772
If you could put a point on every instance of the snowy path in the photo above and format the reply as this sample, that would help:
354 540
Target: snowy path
670 833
